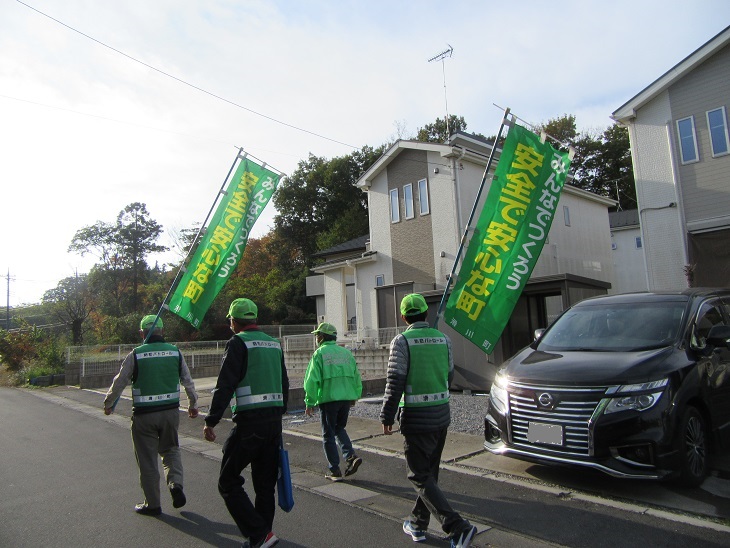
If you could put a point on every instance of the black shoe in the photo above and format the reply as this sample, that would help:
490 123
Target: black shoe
334 475
147 511
178 497
352 465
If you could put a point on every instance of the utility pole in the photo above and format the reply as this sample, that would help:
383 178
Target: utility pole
7 307
441 57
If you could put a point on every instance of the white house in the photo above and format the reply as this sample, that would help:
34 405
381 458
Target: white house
420 196
681 156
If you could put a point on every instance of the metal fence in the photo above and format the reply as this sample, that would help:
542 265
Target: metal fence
105 359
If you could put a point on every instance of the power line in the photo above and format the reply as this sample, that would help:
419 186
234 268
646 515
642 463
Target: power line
184 81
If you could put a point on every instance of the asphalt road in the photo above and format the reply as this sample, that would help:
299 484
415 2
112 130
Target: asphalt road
68 477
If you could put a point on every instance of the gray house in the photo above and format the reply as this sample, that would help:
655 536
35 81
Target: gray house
681 155
419 199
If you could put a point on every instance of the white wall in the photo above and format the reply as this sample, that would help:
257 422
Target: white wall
443 202
584 247
663 235
335 302
628 261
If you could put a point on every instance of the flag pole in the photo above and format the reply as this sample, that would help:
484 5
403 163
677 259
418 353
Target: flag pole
462 243
197 237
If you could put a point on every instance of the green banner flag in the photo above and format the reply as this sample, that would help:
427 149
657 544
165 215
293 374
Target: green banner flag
508 237
220 250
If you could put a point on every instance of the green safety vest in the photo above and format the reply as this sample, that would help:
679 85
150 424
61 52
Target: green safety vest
157 382
261 386
427 383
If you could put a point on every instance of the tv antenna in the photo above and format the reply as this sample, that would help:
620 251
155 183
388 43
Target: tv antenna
441 57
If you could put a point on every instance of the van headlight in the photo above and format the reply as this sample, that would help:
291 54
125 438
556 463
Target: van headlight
498 395
626 400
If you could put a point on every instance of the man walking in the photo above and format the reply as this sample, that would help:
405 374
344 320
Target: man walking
156 370
253 370
420 369
332 382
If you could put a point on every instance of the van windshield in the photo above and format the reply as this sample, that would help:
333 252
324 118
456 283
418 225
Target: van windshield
616 327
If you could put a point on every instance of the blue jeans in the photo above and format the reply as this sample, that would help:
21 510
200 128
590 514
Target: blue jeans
334 420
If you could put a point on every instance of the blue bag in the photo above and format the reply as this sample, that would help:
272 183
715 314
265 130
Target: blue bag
284 490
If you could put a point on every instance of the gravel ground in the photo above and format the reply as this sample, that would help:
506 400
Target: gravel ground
467 412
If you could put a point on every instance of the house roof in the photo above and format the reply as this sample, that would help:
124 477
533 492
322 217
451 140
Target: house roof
460 144
463 145
356 244
622 219
627 111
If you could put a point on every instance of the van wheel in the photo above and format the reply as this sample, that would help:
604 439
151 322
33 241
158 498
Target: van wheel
692 448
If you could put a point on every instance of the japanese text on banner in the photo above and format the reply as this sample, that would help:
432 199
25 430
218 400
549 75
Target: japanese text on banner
508 237
220 250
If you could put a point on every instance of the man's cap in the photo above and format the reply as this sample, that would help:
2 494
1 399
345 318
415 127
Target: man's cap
148 320
413 304
243 309
326 328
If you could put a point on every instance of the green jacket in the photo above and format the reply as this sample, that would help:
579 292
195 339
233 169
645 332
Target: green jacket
332 375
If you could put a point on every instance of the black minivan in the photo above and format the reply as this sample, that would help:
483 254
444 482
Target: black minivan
634 385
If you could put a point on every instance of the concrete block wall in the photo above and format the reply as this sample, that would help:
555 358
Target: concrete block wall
372 363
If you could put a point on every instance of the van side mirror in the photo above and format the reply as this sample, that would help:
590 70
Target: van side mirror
719 336
538 332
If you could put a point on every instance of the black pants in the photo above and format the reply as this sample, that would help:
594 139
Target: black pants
257 445
423 457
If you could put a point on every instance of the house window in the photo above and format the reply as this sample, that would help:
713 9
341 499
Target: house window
408 200
638 242
717 123
379 280
423 196
394 206
566 214
687 140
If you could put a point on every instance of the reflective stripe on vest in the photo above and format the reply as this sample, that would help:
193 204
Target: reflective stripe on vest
244 397
439 397
137 396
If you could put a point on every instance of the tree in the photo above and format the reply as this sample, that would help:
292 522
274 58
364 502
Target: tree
122 248
183 239
602 163
437 132
137 235
72 301
313 198
562 130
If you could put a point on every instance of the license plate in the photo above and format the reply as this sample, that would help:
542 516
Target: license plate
540 432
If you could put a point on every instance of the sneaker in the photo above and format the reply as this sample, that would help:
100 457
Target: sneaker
147 510
463 539
269 540
334 475
178 497
352 465
418 535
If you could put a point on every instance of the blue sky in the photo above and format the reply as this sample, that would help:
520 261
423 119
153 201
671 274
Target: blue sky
86 130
